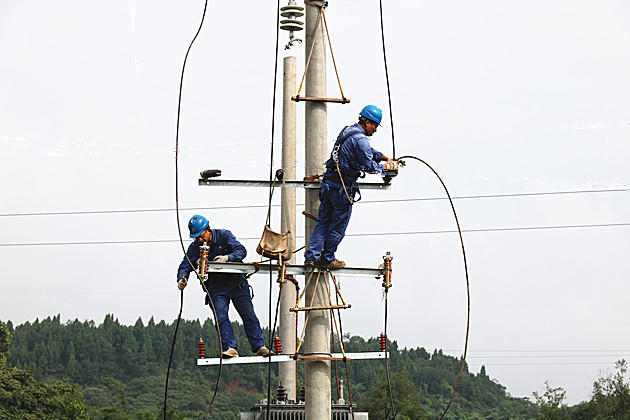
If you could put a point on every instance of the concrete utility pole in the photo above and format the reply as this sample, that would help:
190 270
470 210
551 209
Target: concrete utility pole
288 320
317 335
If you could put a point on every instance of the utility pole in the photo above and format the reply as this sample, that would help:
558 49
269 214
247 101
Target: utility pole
288 320
317 335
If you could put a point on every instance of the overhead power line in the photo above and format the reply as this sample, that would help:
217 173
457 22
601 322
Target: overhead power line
428 232
463 197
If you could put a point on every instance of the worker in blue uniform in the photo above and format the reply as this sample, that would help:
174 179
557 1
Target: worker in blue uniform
352 156
223 287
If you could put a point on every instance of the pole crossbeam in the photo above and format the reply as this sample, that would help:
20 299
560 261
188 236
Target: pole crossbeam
296 270
213 182
279 358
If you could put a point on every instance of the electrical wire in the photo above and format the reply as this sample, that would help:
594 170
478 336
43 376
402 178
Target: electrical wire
181 240
426 232
389 384
260 206
461 238
170 359
389 93
273 128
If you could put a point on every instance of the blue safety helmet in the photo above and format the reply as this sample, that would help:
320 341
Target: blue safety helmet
197 224
373 113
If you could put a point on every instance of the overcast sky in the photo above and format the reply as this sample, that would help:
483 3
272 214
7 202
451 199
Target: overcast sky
502 97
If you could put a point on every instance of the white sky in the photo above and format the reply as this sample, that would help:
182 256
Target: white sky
500 97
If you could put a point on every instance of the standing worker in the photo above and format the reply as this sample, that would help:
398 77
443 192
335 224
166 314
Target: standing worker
223 287
351 156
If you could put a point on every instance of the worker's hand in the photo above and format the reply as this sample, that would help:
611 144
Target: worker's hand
401 162
221 258
181 285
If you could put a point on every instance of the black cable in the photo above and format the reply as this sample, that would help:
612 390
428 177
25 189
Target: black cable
181 240
389 384
170 359
389 94
273 129
461 238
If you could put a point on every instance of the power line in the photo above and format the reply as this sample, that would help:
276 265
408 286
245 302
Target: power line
429 232
463 197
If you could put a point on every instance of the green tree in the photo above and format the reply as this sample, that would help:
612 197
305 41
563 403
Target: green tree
611 394
5 341
551 404
22 397
405 396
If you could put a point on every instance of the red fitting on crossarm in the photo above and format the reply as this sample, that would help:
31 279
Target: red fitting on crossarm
382 340
277 345
202 349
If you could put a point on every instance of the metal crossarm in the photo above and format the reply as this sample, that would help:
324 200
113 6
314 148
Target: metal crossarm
277 358
296 270
213 182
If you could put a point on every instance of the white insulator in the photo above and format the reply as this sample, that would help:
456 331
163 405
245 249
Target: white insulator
287 11
292 11
291 25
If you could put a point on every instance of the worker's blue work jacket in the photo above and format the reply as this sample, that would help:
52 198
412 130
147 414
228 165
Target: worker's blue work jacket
223 243
355 156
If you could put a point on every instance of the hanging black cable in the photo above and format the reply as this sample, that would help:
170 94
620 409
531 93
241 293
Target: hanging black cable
389 94
170 359
389 383
181 240
271 174
461 238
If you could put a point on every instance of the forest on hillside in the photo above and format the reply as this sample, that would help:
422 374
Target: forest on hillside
115 371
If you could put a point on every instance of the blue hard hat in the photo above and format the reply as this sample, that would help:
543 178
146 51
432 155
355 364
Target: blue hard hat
197 224
373 113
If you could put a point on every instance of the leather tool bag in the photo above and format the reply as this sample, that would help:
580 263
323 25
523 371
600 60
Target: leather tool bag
274 245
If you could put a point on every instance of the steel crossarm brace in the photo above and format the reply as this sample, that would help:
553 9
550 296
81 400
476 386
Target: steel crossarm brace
296 270
276 358
213 182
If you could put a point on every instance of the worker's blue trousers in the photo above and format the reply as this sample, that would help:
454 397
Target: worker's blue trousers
242 300
332 221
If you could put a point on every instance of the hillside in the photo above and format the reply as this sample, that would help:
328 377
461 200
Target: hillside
123 368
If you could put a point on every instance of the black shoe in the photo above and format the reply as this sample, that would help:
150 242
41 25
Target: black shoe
309 263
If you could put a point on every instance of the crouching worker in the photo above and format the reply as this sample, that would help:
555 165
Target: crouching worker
223 287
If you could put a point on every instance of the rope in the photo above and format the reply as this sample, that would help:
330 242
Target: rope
461 238
389 94
181 240
344 359
320 17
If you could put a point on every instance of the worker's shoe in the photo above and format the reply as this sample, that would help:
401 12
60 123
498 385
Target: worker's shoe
229 353
264 351
309 263
336 264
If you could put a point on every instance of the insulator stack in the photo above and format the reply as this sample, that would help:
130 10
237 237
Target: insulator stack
281 394
290 23
302 394
277 345
202 349
382 341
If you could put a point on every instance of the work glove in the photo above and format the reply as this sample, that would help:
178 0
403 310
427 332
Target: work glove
181 285
221 258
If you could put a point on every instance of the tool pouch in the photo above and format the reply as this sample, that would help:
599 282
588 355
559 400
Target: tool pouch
274 245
